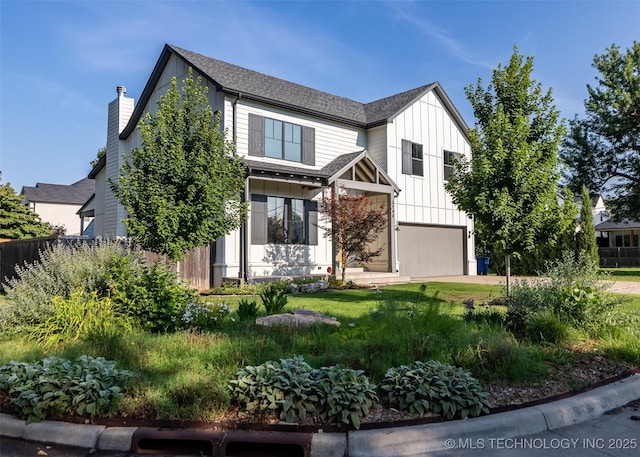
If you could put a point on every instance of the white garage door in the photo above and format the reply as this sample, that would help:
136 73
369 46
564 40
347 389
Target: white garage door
431 251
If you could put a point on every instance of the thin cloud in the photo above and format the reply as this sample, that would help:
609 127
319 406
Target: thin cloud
455 47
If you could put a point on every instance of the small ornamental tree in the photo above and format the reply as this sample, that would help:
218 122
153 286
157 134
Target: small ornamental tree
182 187
586 236
354 224
509 185
17 220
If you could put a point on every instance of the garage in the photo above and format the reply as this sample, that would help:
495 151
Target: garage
431 250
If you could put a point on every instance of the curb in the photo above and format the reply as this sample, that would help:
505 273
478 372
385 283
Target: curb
412 440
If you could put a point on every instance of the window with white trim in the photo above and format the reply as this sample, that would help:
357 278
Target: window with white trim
412 158
450 158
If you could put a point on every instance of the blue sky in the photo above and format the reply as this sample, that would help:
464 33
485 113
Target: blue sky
62 60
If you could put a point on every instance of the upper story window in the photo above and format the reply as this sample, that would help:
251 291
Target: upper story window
412 158
281 140
450 158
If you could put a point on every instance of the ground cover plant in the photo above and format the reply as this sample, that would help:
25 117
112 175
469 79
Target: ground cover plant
184 371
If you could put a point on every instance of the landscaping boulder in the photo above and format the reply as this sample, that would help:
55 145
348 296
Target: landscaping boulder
308 288
297 318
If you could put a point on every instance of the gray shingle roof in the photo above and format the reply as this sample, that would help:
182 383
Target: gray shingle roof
76 194
624 224
279 92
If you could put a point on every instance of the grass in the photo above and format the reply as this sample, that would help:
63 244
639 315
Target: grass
623 274
184 375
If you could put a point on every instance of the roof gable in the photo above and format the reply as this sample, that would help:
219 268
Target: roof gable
260 87
74 194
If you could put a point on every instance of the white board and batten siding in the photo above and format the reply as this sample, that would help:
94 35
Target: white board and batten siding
432 232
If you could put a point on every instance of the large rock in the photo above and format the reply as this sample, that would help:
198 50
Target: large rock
297 318
308 288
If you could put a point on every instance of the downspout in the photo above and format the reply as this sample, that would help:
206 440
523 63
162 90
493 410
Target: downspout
242 274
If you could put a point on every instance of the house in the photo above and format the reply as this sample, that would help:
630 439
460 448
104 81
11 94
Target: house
58 204
298 144
622 234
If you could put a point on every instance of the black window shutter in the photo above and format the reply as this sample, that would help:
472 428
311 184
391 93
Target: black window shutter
256 135
258 219
312 230
406 157
308 146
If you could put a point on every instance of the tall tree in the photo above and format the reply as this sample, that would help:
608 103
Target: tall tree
586 236
182 187
509 185
603 149
354 223
17 220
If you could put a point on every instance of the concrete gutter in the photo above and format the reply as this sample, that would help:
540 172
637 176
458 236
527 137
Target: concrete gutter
417 440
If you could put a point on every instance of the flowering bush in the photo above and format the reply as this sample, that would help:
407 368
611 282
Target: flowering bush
204 316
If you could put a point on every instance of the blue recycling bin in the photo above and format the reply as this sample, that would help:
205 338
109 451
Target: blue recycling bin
483 265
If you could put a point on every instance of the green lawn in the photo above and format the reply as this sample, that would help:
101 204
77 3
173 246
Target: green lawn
623 274
184 375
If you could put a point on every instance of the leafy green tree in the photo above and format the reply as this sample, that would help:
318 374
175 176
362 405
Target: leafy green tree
182 187
17 220
354 224
99 155
586 236
602 150
509 185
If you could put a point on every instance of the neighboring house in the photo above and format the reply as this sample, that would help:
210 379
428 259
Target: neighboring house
623 234
58 204
298 144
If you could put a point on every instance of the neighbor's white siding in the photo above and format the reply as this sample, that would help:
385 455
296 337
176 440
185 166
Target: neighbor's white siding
59 214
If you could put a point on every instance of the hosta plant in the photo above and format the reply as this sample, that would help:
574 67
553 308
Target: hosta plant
55 385
282 388
434 387
346 395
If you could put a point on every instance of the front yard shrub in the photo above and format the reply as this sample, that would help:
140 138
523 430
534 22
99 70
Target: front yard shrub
572 289
61 270
86 386
81 317
151 295
435 387
204 316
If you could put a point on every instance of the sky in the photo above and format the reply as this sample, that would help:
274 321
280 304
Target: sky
61 61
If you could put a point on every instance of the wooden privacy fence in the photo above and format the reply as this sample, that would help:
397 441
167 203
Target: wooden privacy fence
195 269
619 257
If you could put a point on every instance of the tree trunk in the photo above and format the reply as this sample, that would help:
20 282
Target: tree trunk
507 266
